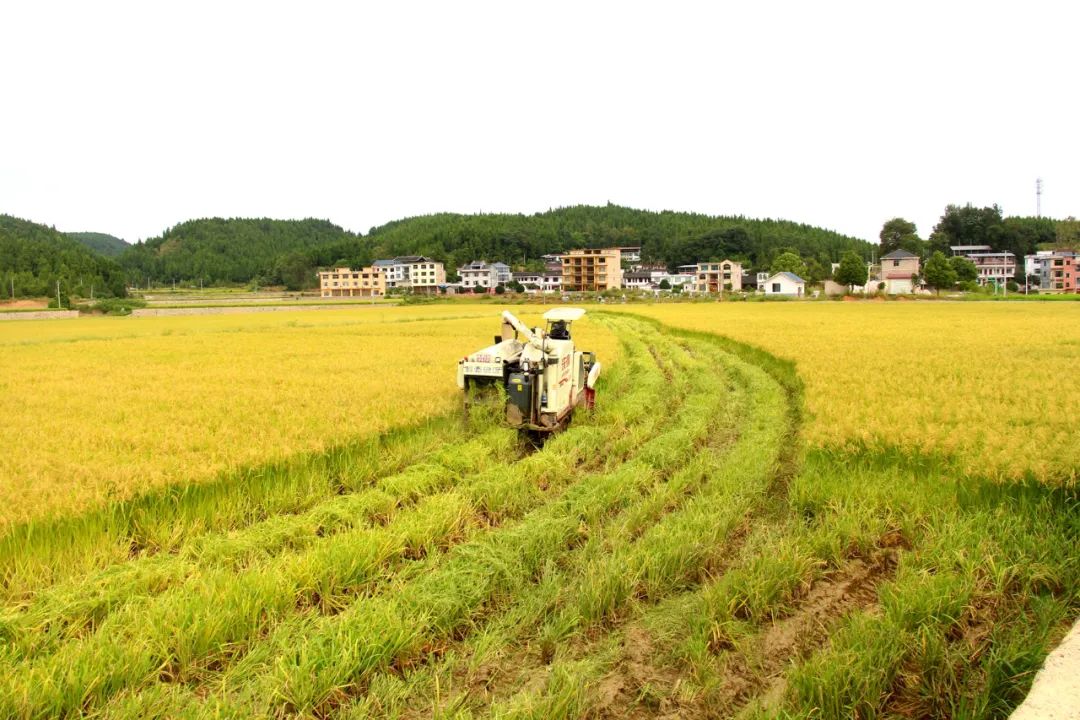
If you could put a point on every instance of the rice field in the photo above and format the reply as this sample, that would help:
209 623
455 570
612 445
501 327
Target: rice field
987 384
719 538
106 408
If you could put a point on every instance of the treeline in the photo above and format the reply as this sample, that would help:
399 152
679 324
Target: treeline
286 252
33 258
218 251
970 225
226 251
672 238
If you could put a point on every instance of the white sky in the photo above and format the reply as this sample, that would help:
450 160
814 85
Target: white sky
127 118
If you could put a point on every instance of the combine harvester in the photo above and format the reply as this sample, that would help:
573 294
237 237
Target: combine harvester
544 378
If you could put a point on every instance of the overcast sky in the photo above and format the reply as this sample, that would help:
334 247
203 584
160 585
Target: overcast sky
127 118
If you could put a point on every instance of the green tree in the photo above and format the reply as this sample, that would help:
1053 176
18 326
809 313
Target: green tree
295 271
939 272
789 262
965 269
665 285
1067 233
815 271
967 225
900 234
851 271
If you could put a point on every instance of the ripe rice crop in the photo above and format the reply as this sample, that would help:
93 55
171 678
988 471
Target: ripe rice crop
704 544
101 409
987 383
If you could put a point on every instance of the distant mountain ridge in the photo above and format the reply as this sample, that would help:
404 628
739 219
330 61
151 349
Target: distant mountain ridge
101 243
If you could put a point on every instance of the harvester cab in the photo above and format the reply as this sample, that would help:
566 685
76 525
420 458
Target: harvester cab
541 373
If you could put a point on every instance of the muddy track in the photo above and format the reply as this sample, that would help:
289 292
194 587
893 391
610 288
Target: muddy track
640 682
527 668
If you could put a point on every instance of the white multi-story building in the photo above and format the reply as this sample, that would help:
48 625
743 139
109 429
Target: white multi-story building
993 267
415 272
477 275
545 282
481 275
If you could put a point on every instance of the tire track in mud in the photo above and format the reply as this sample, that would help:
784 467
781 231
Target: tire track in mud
526 667
637 682
641 681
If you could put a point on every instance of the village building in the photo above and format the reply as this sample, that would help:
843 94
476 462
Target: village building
346 282
723 276
480 275
544 282
785 284
1056 270
637 280
680 279
1063 267
502 273
415 272
592 270
993 267
551 282
552 262
528 278
898 271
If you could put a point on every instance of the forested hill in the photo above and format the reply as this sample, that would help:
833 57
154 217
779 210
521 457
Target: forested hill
101 243
674 238
289 251
218 250
35 257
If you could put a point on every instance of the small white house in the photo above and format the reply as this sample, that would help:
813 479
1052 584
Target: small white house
785 284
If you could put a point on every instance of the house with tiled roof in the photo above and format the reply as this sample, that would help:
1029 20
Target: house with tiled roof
785 284
898 270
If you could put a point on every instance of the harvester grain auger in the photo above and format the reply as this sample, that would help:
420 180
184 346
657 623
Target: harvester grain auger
542 375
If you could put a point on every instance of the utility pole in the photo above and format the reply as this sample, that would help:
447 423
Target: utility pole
58 306
12 286
1038 197
91 292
